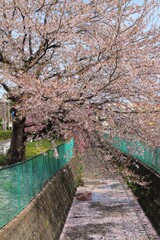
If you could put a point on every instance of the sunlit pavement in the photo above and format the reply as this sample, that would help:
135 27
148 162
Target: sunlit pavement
104 208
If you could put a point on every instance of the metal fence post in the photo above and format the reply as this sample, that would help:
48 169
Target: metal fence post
31 178
19 190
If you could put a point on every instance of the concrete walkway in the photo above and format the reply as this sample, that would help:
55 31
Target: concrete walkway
105 209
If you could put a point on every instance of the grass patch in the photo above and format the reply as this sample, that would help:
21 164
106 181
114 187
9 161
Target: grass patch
37 147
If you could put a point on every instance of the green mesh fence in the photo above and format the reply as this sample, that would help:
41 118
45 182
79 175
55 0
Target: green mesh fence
20 182
147 155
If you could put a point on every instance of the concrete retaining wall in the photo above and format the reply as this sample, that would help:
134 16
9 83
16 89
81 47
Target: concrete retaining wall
44 217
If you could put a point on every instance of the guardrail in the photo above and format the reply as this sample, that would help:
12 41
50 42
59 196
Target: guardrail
20 182
147 155
4 148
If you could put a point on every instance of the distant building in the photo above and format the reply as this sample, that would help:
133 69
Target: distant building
5 115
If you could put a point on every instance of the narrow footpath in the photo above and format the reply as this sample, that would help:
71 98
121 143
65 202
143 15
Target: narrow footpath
104 208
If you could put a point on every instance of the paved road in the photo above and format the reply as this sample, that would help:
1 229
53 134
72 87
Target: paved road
105 209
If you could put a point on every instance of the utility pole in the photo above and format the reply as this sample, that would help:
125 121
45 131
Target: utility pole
5 114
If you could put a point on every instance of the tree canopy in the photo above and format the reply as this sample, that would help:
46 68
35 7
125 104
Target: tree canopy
83 66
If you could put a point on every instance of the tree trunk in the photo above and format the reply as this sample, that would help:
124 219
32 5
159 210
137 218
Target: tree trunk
16 152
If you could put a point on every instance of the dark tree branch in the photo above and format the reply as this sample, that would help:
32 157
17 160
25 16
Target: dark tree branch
3 59
4 85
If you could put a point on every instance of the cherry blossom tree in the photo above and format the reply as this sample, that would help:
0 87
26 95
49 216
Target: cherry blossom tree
80 68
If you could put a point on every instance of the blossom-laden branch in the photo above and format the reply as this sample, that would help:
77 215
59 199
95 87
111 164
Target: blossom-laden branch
76 62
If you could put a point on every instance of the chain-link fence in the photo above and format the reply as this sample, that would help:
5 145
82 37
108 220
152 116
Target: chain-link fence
20 182
147 155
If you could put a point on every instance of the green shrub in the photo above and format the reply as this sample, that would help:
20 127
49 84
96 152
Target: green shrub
5 134
3 160
79 177
0 123
60 141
